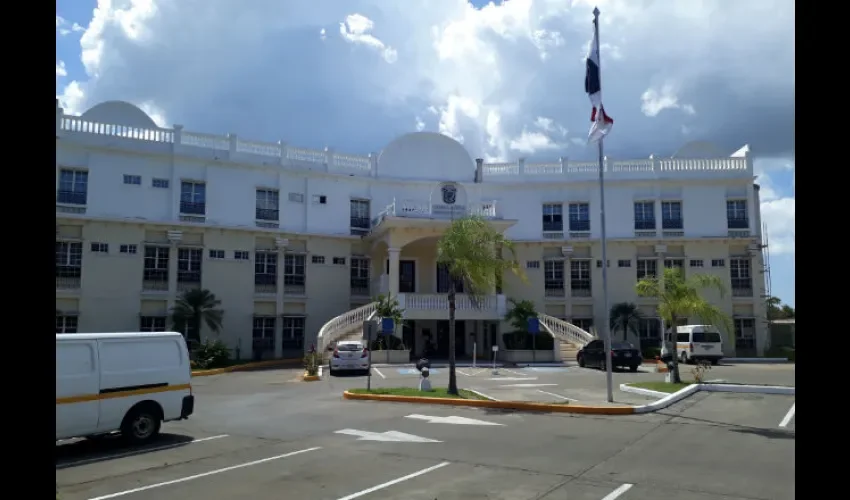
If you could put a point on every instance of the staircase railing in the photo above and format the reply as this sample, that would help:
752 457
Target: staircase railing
343 324
564 331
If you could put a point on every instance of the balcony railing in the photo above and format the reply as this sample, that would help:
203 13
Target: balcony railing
193 208
68 282
294 284
188 280
742 288
554 288
268 214
71 197
265 283
426 210
466 307
579 225
580 288
644 224
359 222
554 226
672 224
738 222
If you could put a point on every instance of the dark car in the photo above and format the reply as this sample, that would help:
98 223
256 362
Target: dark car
623 354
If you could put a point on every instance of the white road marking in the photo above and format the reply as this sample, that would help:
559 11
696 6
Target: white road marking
557 395
491 398
451 420
619 491
387 437
394 481
205 474
65 465
507 379
788 416
378 372
514 372
462 372
528 385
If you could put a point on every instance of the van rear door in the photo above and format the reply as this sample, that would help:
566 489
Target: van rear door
706 342
77 388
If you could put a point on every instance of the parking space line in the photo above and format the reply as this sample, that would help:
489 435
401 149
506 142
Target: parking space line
390 483
205 474
379 372
515 372
619 491
788 416
482 394
85 461
462 372
557 395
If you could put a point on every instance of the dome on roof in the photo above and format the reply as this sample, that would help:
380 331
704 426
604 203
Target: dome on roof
119 113
698 149
426 155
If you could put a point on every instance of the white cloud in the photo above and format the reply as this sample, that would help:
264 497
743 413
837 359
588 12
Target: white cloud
60 69
64 28
356 29
654 101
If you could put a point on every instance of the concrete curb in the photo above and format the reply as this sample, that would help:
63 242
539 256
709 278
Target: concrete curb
669 399
501 405
246 366
309 378
754 360
642 391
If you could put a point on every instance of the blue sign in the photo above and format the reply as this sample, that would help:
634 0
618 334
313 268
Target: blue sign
387 325
533 326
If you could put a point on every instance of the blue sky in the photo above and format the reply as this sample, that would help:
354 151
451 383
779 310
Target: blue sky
505 78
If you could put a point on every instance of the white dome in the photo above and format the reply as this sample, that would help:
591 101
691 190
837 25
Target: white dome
119 113
426 155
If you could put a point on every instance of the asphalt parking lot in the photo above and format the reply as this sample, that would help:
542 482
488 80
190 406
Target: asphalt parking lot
263 435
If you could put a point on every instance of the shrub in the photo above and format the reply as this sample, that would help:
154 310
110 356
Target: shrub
311 363
782 352
387 343
520 340
211 354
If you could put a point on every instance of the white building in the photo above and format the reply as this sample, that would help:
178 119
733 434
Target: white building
290 238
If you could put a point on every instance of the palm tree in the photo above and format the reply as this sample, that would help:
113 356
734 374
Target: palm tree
472 251
192 309
680 298
625 316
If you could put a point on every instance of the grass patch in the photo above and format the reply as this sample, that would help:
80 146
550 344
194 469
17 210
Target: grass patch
413 392
661 386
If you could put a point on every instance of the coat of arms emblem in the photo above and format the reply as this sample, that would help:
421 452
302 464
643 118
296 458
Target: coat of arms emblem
449 192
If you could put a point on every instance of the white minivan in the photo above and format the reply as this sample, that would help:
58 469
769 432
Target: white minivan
127 382
698 342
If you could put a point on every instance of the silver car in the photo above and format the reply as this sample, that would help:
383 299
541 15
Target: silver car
349 355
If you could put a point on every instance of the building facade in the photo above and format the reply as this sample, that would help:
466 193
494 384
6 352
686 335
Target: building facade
290 238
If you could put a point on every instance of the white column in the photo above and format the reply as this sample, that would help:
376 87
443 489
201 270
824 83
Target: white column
279 298
393 255
174 238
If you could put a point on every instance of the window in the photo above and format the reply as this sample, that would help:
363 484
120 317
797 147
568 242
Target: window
66 324
152 324
580 278
159 183
193 198
156 264
736 214
317 259
216 254
69 259
647 268
674 264
696 263
718 262
100 247
553 272
135 180
296 197
553 217
745 333
359 216
599 263
624 263
265 268
262 333
671 215
445 280
644 215
320 199
339 261
359 276
293 332
268 204
73 187
742 283
129 249
532 264
293 273
189 265
649 331
579 217
584 323
241 255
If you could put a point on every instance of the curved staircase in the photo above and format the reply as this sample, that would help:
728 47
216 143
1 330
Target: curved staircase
571 337
346 326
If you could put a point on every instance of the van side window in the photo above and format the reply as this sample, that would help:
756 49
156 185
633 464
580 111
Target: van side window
683 337
76 358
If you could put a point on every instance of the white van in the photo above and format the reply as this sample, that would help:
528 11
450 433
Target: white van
128 382
697 342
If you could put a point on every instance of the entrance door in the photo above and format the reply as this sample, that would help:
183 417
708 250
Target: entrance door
444 279
406 275
442 350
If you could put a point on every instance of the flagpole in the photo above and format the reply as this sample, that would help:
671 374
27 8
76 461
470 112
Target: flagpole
606 327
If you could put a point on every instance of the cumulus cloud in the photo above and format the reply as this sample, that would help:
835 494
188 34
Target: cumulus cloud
60 69
63 27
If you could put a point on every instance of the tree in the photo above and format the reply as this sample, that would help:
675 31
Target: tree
777 310
192 309
625 316
472 251
787 312
518 317
680 298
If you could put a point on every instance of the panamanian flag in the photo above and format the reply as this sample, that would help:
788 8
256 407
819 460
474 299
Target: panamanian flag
602 123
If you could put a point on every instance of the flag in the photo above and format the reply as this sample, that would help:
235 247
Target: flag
602 123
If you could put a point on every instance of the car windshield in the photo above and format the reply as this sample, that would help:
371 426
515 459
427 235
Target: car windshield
706 337
350 347
622 345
